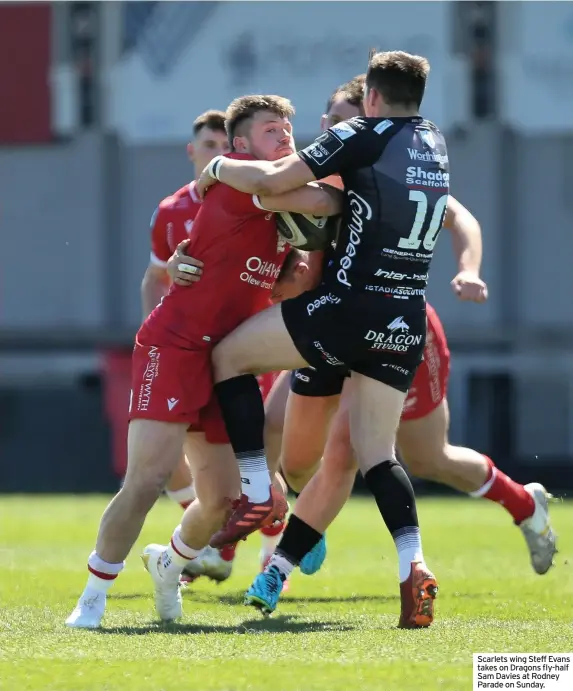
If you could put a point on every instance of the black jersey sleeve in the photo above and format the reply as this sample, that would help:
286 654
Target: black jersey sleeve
351 144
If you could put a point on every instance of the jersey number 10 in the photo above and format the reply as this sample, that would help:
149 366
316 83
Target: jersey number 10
413 241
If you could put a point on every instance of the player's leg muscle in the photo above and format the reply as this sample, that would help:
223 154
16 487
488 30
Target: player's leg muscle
327 492
425 449
307 422
373 434
261 344
217 485
153 450
275 406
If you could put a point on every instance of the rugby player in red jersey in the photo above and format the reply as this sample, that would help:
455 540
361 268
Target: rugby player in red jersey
172 400
172 223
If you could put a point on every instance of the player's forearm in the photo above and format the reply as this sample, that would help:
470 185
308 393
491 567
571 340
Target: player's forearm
152 290
466 236
251 177
316 199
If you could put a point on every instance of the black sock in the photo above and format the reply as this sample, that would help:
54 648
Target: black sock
244 415
297 540
394 494
243 411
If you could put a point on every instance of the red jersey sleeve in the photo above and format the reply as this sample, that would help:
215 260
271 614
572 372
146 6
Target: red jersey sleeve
240 203
160 250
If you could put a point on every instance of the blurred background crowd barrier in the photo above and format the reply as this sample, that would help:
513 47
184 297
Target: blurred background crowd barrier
96 108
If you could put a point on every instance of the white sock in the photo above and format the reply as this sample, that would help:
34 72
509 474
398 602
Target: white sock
409 545
183 496
102 574
281 563
176 556
269 542
255 478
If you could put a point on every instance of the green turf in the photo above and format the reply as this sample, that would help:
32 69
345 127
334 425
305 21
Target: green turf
333 632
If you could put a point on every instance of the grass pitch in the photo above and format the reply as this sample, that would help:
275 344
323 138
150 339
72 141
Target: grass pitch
335 631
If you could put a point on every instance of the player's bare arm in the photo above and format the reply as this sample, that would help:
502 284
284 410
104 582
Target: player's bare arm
314 198
154 286
264 178
467 242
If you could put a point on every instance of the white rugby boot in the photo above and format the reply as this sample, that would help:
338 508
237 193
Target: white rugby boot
89 611
214 566
537 530
168 600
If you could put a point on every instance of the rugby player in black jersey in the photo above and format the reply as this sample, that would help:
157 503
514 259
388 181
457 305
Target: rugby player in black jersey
394 167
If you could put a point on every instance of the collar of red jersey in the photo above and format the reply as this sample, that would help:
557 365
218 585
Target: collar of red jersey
192 192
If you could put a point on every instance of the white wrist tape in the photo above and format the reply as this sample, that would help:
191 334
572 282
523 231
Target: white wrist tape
215 166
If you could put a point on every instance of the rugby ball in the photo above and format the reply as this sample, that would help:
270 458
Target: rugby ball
307 232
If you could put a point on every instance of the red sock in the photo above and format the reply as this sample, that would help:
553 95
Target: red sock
273 530
228 552
510 494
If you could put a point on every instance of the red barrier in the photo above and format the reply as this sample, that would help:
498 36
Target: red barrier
116 371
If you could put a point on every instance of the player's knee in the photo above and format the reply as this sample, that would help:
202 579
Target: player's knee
427 464
143 491
298 466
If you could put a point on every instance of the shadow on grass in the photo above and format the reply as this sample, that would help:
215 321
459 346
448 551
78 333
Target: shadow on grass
236 598
280 624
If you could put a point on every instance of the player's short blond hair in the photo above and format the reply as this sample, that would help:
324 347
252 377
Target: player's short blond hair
398 76
242 109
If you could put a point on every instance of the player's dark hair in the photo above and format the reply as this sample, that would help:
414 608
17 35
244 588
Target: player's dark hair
399 77
292 258
242 109
213 119
351 91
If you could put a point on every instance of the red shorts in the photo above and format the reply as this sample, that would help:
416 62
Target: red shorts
430 384
175 385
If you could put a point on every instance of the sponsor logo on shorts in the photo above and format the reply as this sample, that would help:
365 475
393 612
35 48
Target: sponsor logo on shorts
360 211
329 299
260 273
417 176
302 377
402 370
396 339
151 372
326 356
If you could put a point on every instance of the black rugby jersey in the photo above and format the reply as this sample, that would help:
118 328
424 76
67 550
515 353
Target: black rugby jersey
396 181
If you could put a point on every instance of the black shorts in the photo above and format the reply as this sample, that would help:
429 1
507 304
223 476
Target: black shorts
307 381
381 338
